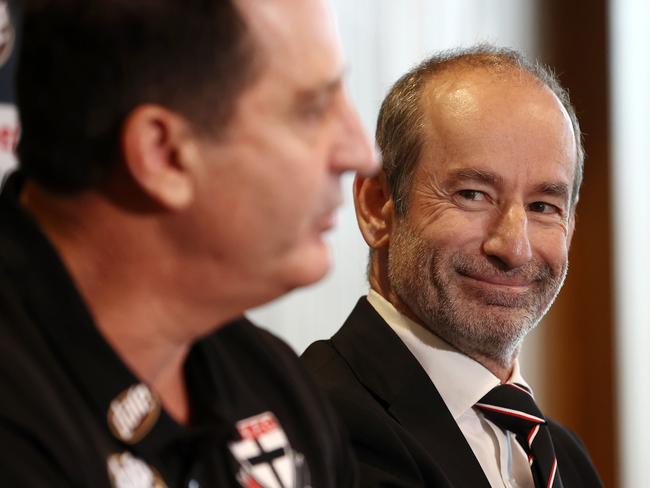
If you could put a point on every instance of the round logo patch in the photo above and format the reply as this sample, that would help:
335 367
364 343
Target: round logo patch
133 413
127 471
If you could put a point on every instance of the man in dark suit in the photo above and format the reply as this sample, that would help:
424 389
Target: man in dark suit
469 226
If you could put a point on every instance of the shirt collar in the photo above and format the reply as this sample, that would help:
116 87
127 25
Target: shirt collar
460 380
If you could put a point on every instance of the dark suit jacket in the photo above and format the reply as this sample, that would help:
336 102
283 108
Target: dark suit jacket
401 430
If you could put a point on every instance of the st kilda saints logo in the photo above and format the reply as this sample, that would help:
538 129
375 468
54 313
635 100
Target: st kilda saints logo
265 457
7 32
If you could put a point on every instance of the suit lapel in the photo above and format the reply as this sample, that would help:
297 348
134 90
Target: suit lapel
385 366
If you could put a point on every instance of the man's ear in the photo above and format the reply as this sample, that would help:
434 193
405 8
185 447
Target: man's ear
374 208
160 153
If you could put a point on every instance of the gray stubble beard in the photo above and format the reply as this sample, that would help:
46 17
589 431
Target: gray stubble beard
415 273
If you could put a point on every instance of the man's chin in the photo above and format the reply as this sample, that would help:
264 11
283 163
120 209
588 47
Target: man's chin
491 332
309 264
496 311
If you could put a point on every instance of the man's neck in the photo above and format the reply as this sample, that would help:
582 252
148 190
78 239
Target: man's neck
128 287
501 371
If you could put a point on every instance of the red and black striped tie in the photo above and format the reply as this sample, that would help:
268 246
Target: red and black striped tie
512 407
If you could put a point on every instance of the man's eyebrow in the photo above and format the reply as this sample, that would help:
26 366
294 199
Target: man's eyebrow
556 189
324 89
560 190
475 175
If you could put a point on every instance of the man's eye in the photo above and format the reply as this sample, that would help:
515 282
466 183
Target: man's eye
314 111
543 208
473 195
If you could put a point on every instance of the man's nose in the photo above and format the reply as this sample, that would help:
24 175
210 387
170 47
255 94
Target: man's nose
354 150
508 238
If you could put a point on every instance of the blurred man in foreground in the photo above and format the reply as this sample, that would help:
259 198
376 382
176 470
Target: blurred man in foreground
469 226
179 163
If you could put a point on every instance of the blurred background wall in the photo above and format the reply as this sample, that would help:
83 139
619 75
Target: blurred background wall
589 360
630 170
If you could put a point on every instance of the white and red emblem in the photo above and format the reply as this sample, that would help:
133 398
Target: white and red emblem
265 456
127 471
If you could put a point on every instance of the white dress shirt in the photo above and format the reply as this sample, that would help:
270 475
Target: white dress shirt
462 382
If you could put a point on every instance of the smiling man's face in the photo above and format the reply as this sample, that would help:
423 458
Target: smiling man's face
482 251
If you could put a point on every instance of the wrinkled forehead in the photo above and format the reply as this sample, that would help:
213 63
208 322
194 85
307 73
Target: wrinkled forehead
476 91
491 121
479 103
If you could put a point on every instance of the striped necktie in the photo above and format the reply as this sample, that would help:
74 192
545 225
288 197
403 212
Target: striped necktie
512 407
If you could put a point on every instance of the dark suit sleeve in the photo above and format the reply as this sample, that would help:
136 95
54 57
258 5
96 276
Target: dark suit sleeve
576 467
385 457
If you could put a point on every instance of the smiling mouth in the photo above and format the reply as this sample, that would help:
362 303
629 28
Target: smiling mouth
498 292
502 283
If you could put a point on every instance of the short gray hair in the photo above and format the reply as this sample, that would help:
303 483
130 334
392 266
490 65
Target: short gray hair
399 134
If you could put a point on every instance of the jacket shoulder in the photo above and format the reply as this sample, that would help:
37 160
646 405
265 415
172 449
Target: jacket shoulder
576 467
386 453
